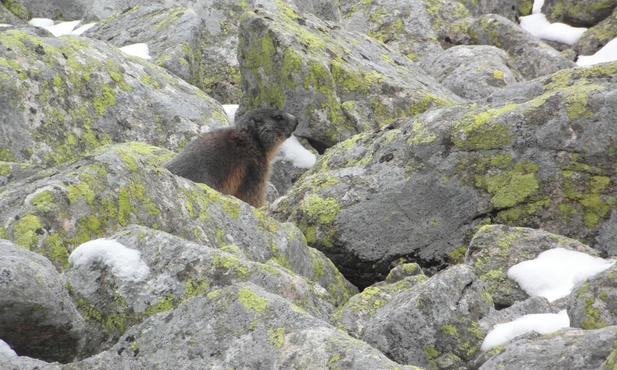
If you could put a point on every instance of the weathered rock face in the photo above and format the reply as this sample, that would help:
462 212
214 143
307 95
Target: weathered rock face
37 317
337 83
567 349
63 97
472 72
598 36
583 13
241 326
440 313
531 56
413 28
593 304
418 191
496 248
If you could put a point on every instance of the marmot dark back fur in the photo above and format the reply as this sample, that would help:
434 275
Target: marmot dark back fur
236 160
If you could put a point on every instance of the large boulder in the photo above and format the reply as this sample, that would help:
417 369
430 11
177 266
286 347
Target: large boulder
472 71
63 97
531 56
496 248
413 28
240 326
593 304
433 324
579 13
37 317
337 82
571 349
52 213
418 189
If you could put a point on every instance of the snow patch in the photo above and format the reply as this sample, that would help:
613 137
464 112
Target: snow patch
555 272
126 264
539 323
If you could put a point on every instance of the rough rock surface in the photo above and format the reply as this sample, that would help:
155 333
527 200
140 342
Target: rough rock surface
241 326
539 156
337 82
37 317
597 36
531 56
442 314
472 71
579 13
593 304
67 96
565 349
496 248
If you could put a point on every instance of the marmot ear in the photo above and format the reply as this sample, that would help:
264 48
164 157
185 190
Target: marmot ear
256 120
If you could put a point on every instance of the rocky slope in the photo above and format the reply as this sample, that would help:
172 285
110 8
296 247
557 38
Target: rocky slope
453 146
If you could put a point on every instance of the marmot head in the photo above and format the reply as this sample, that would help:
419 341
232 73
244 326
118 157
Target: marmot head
270 126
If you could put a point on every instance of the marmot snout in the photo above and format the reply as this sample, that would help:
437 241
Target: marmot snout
236 160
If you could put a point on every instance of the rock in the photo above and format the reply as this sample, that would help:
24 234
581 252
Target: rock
11 171
196 44
52 213
472 72
583 13
177 271
7 16
37 317
496 248
413 28
531 57
70 95
354 315
241 326
418 189
509 9
55 9
567 349
433 324
593 304
336 82
596 37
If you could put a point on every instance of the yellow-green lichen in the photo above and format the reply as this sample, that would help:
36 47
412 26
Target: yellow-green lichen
26 232
325 209
252 301
277 337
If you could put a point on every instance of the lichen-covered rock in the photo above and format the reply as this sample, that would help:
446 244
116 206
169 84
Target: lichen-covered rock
37 317
413 28
55 211
472 71
11 171
8 18
509 9
433 324
418 190
197 44
63 97
337 82
567 349
578 13
241 326
496 248
177 270
56 9
362 306
593 304
597 36
530 56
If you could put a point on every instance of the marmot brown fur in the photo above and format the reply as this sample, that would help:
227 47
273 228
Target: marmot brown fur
236 160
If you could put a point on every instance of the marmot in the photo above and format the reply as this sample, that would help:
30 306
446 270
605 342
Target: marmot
236 160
